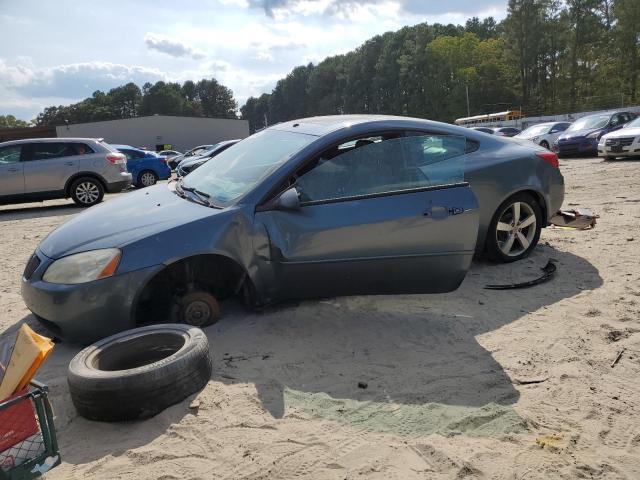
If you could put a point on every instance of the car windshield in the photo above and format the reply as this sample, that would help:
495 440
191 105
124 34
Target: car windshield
207 150
596 121
634 124
235 171
535 130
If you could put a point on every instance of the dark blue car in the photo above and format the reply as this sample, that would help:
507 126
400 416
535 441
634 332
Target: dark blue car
146 167
318 207
582 137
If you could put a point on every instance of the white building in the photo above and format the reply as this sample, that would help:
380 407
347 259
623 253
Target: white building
160 132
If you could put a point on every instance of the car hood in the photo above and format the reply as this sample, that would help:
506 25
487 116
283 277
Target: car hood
193 160
578 134
625 132
122 221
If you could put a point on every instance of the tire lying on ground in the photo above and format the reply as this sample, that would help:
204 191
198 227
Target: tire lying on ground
138 373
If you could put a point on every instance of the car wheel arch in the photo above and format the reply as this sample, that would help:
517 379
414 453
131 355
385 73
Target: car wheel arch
227 278
529 190
76 176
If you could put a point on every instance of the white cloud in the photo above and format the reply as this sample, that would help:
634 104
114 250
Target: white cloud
74 80
171 47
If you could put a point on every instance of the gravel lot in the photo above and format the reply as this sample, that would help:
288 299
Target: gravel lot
449 376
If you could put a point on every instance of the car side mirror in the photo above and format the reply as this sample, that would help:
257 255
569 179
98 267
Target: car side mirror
288 200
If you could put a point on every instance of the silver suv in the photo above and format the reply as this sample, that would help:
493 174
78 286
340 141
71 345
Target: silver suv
46 168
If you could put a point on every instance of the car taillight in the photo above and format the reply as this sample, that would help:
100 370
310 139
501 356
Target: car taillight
115 158
549 157
163 160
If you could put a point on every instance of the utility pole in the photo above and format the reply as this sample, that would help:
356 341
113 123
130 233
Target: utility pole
266 124
468 109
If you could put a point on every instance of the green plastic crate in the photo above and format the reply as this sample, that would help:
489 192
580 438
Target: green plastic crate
38 453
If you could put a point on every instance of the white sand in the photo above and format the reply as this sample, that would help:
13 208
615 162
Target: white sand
444 372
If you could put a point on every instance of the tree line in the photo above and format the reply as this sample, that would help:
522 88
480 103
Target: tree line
545 57
206 98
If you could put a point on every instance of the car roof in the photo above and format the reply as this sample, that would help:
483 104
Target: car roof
319 126
51 140
129 147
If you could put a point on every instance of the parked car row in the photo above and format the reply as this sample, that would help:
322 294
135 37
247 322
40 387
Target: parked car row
499 131
85 168
187 165
608 135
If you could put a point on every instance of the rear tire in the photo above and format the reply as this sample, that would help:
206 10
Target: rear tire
509 238
87 191
147 178
138 373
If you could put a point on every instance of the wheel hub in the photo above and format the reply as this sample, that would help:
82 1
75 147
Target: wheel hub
197 313
516 229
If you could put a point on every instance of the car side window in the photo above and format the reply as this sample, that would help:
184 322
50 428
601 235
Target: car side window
10 154
131 154
47 151
372 166
617 119
82 149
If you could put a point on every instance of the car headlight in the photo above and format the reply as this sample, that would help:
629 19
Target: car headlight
595 134
83 267
535 139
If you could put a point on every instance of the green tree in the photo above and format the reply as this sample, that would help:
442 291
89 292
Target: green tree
9 121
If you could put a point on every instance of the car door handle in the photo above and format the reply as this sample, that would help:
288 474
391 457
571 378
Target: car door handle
439 211
436 211
70 163
13 169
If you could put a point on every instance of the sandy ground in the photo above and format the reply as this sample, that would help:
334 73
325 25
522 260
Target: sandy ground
447 375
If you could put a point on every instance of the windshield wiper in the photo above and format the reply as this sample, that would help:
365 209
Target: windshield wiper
204 197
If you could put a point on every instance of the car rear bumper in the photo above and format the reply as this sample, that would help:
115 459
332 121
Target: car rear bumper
118 186
86 312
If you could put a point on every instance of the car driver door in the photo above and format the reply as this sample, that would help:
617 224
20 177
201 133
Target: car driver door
374 216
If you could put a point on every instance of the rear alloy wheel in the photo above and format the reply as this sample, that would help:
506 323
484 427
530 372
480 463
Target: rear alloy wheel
147 179
198 309
515 229
86 192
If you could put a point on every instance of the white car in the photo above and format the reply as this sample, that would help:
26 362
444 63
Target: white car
621 143
544 134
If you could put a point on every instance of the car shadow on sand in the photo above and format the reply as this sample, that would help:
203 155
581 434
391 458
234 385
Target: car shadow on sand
41 211
419 356
381 362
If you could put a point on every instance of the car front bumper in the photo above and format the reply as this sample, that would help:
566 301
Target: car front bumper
632 150
582 146
85 312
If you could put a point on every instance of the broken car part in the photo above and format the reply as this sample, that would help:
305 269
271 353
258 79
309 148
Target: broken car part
578 218
549 270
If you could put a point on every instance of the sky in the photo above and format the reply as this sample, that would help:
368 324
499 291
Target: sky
59 52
